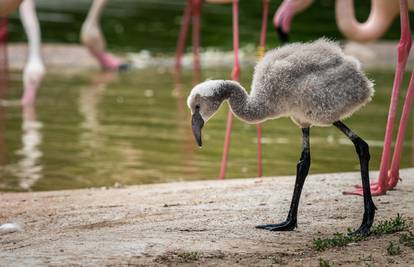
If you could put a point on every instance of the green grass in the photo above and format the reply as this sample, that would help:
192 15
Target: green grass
397 224
393 249
407 239
338 240
276 259
189 256
369 261
324 263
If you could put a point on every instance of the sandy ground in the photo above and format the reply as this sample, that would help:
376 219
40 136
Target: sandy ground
75 58
206 223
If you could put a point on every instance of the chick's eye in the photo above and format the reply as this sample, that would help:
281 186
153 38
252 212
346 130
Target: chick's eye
197 106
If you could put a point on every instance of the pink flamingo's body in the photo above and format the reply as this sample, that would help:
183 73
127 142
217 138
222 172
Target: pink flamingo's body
193 12
382 14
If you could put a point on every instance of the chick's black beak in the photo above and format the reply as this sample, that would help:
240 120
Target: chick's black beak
197 124
283 36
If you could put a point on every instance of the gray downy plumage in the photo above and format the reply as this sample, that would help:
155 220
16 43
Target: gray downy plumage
315 84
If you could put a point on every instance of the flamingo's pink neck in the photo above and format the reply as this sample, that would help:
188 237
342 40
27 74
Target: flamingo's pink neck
287 10
108 61
381 16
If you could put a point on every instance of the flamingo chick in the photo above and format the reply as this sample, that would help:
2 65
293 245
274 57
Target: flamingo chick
315 84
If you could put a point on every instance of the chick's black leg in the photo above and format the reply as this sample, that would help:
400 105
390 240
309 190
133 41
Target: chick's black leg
362 150
302 169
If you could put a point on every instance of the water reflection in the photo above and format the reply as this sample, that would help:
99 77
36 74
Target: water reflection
4 74
3 146
101 129
111 160
29 168
89 100
188 145
3 115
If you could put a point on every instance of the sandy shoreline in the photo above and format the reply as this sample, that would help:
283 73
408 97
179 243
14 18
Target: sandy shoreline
74 57
204 223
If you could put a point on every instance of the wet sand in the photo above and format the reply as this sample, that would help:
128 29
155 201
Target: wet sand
206 223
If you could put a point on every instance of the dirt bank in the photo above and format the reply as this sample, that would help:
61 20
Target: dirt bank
199 223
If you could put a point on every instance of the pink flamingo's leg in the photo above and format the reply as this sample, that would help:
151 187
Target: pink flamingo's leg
264 23
223 165
395 163
196 17
3 30
259 150
235 76
3 58
3 44
260 55
185 24
404 47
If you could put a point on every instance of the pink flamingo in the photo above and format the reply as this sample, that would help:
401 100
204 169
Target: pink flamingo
383 12
34 69
91 36
3 45
93 39
193 12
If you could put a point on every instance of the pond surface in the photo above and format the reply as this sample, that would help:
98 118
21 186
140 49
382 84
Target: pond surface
103 129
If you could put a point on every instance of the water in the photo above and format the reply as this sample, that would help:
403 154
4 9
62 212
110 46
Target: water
103 129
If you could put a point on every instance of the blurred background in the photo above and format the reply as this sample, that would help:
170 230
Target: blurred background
133 25
94 128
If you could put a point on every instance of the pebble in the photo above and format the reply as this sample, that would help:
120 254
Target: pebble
8 228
